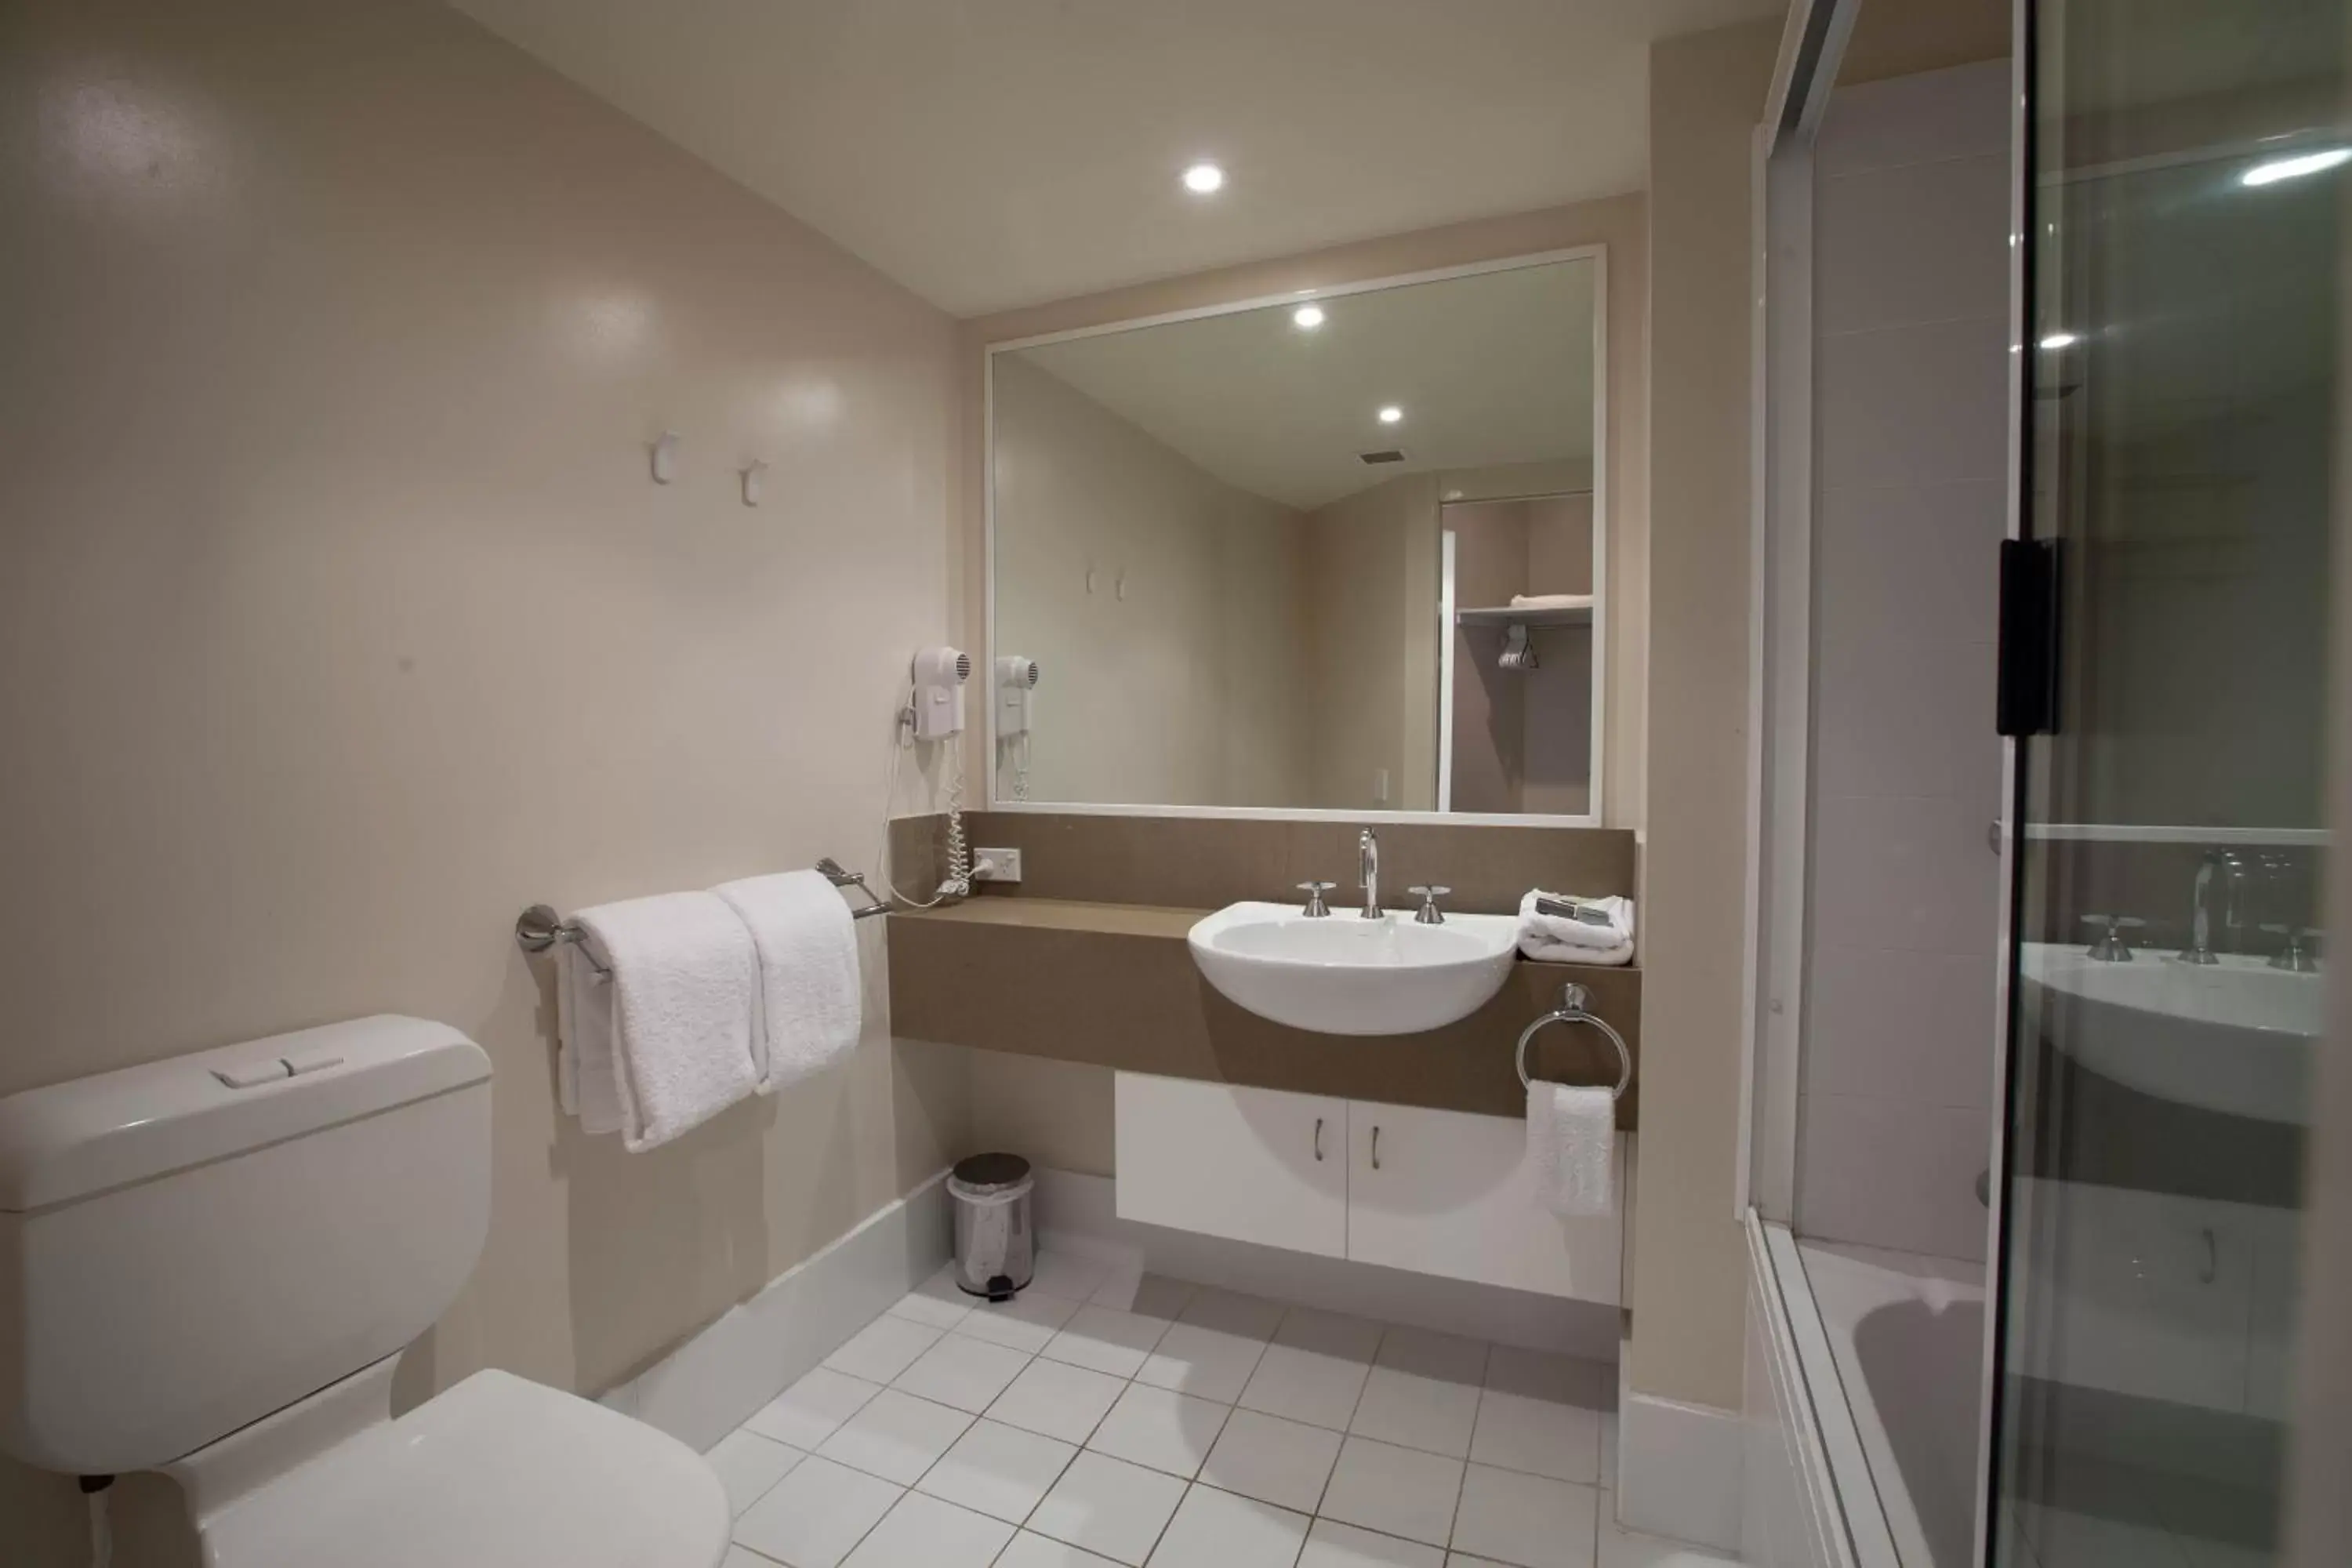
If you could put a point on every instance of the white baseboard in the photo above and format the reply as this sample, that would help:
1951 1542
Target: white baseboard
1678 1469
704 1389
1078 1212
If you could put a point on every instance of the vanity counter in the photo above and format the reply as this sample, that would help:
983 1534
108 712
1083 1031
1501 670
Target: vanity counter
1062 914
1115 985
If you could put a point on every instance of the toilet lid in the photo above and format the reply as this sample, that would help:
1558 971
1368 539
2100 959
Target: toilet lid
497 1472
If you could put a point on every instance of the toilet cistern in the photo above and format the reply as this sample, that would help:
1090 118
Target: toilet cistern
269 1225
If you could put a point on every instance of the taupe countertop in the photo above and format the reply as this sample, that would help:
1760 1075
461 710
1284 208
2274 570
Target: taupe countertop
1115 985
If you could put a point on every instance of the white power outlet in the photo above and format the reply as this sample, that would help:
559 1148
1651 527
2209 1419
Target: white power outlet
996 865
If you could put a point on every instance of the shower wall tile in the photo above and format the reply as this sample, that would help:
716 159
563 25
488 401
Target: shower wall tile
1903 1026
1914 404
1911 407
1905 716
1903 873
1908 562
1892 1172
1955 113
1914 244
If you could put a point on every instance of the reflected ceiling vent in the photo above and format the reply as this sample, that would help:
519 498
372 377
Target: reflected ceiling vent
1390 456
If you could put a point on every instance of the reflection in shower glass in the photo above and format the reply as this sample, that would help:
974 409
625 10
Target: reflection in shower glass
2180 365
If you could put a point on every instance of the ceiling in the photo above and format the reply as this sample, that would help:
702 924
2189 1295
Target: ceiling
990 154
1490 369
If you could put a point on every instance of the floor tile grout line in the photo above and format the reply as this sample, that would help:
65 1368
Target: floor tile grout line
1596 1526
1133 1380
1453 1525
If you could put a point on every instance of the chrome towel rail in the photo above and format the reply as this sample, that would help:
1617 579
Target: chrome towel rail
1573 1009
539 927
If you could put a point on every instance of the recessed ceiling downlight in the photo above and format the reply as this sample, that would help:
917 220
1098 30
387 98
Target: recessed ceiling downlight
2057 341
1204 179
1391 414
1306 318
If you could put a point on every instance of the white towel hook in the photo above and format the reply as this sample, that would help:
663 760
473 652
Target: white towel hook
1573 1002
751 481
666 458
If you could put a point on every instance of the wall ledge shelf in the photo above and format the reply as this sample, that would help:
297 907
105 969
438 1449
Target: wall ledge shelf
2136 832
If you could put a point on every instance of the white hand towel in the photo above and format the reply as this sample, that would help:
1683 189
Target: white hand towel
809 1002
1551 601
1571 1137
1562 939
685 980
587 1080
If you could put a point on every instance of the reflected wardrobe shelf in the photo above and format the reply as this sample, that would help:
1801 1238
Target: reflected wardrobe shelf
1511 615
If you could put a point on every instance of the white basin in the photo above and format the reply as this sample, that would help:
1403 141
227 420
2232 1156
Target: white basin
2234 1036
1343 974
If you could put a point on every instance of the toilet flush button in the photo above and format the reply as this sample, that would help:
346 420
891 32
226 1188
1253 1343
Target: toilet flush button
302 1062
250 1074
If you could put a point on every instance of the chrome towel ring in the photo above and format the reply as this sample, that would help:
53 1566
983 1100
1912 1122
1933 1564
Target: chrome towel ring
1573 999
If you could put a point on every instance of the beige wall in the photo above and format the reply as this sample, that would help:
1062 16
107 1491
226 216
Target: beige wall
1706 93
1370 580
339 618
1056 1114
1184 689
1617 224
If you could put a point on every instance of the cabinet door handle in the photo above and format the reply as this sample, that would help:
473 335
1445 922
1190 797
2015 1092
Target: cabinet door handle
1376 1145
1319 1138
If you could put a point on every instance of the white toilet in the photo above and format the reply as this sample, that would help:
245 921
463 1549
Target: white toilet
209 1266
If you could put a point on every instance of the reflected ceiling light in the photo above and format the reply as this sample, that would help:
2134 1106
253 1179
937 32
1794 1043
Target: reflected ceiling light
1204 179
2057 341
1307 316
1391 414
2296 167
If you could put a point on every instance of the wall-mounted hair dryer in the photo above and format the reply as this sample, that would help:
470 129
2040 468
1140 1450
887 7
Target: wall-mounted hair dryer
1016 678
939 674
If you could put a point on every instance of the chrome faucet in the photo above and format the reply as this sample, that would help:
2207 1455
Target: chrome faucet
2111 947
1368 871
2201 908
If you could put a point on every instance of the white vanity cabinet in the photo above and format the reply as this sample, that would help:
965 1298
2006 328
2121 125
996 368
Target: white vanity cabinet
1445 1192
1437 1192
1253 1164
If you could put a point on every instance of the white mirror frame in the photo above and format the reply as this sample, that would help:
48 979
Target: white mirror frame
1601 517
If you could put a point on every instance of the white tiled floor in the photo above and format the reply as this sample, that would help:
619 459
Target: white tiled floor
1108 1418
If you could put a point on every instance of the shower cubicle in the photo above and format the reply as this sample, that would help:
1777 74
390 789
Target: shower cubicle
2046 403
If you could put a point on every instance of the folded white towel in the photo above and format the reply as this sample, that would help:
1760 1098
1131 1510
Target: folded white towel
1563 939
587 1079
1551 601
685 980
1572 1138
809 1002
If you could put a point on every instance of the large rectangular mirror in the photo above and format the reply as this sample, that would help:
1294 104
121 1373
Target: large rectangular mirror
1334 553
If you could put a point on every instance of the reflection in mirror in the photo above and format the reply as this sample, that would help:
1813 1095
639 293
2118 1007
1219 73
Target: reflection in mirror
1343 556
1521 659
